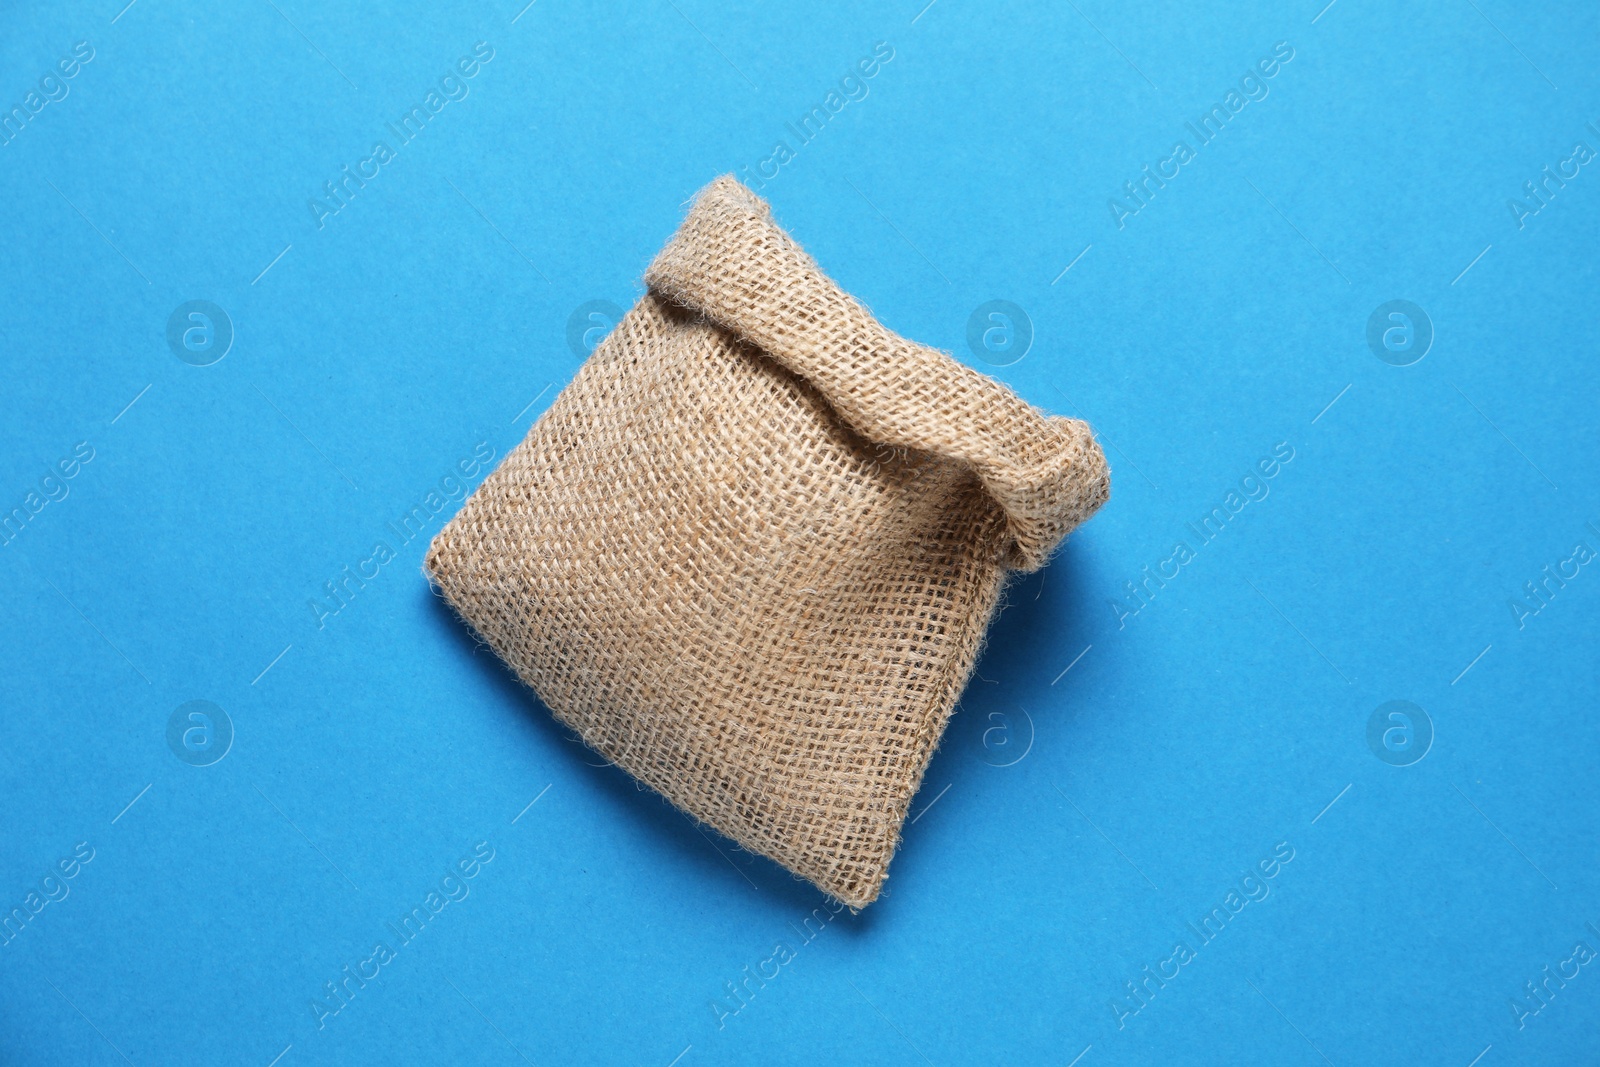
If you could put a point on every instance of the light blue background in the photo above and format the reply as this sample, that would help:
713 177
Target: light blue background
431 314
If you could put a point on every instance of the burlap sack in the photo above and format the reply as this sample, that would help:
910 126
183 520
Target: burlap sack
750 552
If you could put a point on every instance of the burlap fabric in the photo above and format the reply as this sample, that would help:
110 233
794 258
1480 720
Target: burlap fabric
750 552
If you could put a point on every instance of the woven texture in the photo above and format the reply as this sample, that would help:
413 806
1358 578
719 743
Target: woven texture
750 552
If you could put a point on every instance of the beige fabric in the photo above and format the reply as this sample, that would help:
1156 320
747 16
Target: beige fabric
750 552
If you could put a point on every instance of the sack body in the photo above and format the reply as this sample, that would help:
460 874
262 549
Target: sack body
750 552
